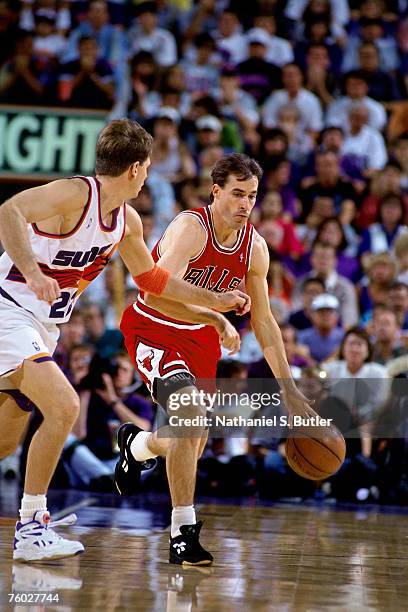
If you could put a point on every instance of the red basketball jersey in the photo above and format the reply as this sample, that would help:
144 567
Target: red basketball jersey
216 267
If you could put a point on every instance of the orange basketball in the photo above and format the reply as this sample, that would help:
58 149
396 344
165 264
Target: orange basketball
315 452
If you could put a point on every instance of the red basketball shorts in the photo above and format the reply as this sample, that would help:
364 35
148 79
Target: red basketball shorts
160 350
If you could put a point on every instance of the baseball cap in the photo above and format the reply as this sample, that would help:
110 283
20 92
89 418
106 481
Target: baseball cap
258 36
325 300
209 122
168 112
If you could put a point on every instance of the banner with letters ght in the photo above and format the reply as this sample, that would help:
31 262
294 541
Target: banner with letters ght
47 142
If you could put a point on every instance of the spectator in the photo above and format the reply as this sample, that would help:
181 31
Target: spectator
88 81
29 11
380 237
171 91
111 42
318 32
79 359
143 78
106 342
307 103
364 143
278 232
387 334
72 334
401 255
364 398
279 51
356 88
302 318
277 177
235 103
324 261
8 28
400 152
384 183
258 75
382 86
230 40
319 79
372 31
398 301
328 182
145 35
48 44
200 72
170 158
324 337
21 78
335 11
331 231
374 288
299 141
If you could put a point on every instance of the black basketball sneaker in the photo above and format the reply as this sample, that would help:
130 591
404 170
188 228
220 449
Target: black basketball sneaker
186 549
128 470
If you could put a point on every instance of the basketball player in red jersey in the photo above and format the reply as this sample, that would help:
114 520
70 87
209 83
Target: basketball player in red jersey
172 345
57 238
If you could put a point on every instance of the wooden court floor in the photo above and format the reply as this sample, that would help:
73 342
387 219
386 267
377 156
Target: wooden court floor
282 558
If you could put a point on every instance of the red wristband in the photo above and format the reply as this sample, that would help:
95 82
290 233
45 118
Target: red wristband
154 281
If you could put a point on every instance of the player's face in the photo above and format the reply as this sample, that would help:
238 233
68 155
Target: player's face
236 200
139 175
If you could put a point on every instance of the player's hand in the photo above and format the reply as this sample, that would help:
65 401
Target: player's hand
45 288
229 336
297 404
234 300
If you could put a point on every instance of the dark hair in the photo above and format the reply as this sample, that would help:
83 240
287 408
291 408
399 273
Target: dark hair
361 333
120 144
343 244
324 245
284 326
390 197
86 38
239 165
313 279
356 74
204 39
398 285
226 368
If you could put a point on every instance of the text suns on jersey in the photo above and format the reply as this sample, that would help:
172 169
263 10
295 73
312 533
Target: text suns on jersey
212 278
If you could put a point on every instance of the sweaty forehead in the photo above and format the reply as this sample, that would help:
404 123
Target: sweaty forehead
234 182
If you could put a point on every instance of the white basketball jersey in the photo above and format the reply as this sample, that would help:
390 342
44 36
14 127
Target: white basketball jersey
73 259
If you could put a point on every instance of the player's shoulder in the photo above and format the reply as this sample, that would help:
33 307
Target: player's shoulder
259 255
190 223
75 190
259 246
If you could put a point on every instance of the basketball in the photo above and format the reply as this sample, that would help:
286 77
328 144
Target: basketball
316 453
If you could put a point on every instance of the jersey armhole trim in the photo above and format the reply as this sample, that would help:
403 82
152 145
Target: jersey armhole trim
81 219
199 218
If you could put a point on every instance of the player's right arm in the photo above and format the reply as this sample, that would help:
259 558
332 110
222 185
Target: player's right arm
54 200
139 262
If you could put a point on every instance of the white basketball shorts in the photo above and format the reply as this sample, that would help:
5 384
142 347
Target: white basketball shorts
22 337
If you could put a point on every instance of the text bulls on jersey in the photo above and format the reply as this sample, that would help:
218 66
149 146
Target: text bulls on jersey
212 278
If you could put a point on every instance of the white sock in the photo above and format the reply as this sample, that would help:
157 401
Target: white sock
30 504
182 515
139 448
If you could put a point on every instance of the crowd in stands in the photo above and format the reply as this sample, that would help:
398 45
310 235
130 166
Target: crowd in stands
316 90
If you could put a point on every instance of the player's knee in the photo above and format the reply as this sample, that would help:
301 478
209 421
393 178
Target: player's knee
68 410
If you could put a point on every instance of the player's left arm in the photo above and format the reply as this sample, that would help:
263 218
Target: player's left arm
267 331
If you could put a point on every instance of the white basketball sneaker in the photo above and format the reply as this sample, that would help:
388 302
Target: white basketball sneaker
37 540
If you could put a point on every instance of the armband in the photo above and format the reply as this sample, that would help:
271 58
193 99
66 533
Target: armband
154 281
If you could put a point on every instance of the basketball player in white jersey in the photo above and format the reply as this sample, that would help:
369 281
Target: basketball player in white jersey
57 238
